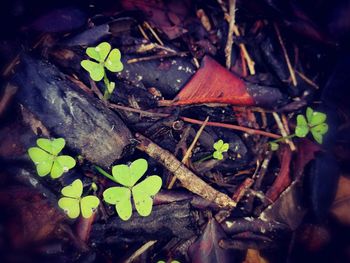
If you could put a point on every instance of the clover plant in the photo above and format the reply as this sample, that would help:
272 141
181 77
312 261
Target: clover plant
73 204
220 147
47 160
314 122
103 58
142 193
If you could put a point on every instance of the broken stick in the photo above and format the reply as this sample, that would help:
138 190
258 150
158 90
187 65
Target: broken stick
187 178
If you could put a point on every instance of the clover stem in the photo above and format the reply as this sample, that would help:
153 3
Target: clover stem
103 172
283 138
204 158
106 94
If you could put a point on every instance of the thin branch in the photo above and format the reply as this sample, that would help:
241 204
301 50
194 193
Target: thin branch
153 33
189 150
140 251
290 68
158 56
229 43
194 121
283 131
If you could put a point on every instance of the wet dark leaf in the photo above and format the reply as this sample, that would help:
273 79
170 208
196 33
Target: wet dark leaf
60 20
323 181
87 125
206 249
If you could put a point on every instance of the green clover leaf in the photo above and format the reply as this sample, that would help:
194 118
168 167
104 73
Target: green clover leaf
95 70
47 160
302 128
314 123
104 58
218 155
274 146
120 197
141 193
220 147
129 175
314 117
318 131
72 202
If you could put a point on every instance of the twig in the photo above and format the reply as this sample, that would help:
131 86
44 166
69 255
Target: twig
223 6
11 66
6 98
229 43
143 33
234 127
307 80
290 68
194 121
140 251
239 193
153 33
250 62
283 131
189 150
187 178
158 56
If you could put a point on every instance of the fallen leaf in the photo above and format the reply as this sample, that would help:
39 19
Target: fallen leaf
253 256
206 249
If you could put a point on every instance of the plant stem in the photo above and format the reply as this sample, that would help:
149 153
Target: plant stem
106 94
103 172
204 158
284 138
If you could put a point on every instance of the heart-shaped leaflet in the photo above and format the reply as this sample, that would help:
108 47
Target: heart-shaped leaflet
113 62
129 175
72 203
143 193
88 205
54 146
42 160
120 197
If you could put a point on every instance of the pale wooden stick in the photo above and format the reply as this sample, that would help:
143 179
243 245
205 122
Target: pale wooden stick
188 179
286 57
229 43
140 251
189 150
283 131
153 33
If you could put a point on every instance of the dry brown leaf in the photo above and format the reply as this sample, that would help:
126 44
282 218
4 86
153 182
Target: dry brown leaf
253 256
341 204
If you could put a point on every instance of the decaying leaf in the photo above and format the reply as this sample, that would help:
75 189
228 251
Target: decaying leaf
206 249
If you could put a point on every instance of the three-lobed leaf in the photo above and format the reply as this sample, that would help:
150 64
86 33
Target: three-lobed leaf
220 147
142 193
73 204
47 160
314 123
105 59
